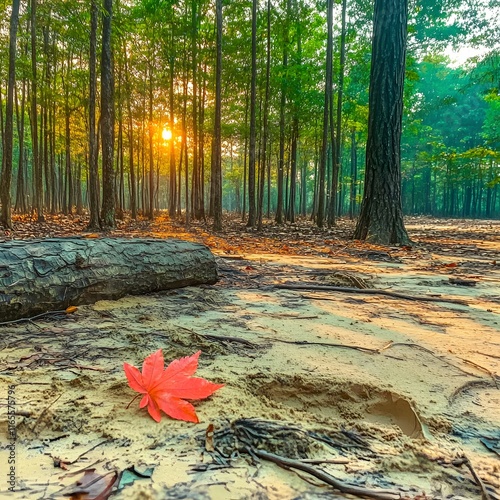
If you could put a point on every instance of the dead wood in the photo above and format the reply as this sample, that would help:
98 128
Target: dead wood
37 276
465 461
327 344
287 463
368 291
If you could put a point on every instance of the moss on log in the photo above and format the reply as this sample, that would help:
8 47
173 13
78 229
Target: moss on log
44 275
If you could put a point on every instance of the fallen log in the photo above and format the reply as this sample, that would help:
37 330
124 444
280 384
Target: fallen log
43 275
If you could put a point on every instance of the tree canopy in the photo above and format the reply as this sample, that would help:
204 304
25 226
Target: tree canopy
274 142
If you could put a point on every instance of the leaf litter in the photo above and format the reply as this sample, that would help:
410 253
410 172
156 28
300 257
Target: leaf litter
418 422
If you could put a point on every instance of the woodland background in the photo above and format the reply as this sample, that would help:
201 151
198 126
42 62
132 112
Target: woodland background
162 57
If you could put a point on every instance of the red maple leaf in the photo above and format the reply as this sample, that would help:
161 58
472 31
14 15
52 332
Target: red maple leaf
166 389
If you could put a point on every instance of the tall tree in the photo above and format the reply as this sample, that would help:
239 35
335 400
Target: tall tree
216 149
37 167
338 134
150 209
281 159
252 151
326 114
265 137
6 180
133 184
381 216
107 119
172 205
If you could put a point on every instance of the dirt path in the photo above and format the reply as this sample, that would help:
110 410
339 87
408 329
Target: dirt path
391 394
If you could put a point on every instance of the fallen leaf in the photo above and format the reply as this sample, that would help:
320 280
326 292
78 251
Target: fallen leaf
92 486
166 389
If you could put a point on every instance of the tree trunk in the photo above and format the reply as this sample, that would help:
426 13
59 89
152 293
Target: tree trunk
21 205
293 169
52 274
68 191
93 187
216 149
5 182
354 175
265 137
197 182
381 217
150 210
328 99
281 160
253 93
107 120
172 206
133 185
245 155
332 215
37 170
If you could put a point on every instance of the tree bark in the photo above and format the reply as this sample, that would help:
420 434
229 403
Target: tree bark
284 89
265 137
216 149
21 205
354 175
52 274
151 202
94 223
107 120
37 169
6 178
327 107
253 92
172 206
381 216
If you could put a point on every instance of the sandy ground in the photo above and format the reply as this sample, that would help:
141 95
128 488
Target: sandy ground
388 393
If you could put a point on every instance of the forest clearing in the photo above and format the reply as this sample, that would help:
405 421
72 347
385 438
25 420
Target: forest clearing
276 221
396 396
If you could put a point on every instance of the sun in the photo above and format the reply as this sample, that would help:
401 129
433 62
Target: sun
166 134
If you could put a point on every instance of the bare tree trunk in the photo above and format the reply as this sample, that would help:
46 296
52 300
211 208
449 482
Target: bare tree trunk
281 160
93 187
245 157
196 184
354 175
6 180
293 169
107 119
201 142
151 207
37 170
338 135
381 217
216 150
328 98
265 138
20 205
253 94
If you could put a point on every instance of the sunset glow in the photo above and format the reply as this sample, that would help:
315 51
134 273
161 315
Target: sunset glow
166 134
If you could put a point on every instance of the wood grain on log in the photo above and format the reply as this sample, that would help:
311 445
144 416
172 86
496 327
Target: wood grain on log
43 275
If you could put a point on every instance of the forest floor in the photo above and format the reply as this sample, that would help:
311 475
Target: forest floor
398 396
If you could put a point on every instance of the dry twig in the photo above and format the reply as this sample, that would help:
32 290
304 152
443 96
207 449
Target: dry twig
465 461
368 291
324 476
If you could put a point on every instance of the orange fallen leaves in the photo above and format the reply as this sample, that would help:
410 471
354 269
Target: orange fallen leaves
166 389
